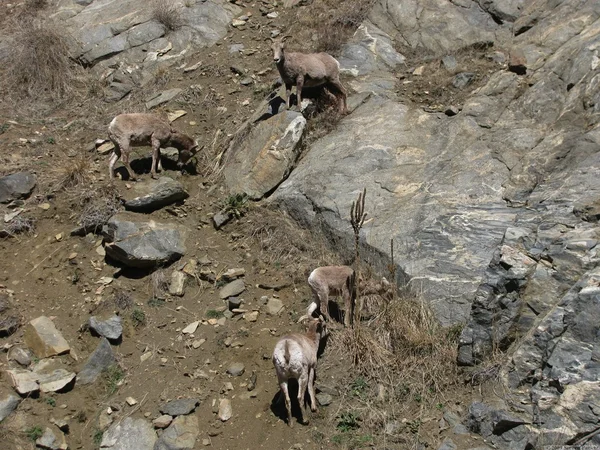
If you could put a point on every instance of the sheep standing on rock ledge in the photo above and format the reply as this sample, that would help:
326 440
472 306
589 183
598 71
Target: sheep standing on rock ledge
133 130
307 69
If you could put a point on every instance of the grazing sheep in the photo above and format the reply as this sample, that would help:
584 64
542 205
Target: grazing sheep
133 130
295 356
332 280
307 69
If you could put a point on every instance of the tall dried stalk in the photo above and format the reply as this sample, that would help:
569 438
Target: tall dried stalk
357 219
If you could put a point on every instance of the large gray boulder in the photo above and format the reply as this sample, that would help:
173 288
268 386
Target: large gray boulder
137 241
150 195
266 156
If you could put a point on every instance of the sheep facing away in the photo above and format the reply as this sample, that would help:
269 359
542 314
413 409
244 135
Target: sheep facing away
295 356
138 129
332 280
307 69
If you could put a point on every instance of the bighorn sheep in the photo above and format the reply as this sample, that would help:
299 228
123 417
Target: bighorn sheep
307 69
133 130
295 356
332 280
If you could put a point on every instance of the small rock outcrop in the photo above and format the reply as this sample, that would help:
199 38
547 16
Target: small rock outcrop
8 405
179 407
266 156
232 289
150 195
143 243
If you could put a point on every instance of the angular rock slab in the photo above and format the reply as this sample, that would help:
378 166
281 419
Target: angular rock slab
8 405
102 358
111 328
150 195
25 382
44 339
130 434
181 434
266 156
59 380
141 242
232 289
15 186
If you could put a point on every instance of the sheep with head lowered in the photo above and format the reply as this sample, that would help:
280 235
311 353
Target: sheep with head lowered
138 129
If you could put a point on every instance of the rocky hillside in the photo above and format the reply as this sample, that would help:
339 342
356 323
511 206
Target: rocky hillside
143 315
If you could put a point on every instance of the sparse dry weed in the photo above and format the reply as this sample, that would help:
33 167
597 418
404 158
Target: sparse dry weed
168 14
159 283
20 225
35 61
73 172
99 205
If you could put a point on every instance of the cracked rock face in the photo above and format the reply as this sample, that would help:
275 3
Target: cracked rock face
494 211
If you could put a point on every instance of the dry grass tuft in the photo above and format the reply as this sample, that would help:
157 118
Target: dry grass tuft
167 13
73 172
334 21
402 346
122 299
35 60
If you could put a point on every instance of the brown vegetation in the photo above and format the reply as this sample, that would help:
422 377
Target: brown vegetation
167 13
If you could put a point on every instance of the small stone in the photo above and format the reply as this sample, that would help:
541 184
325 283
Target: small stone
52 441
111 328
232 274
251 317
162 421
177 286
192 67
273 15
174 115
44 206
73 256
234 302
179 407
517 62
180 435
104 420
131 401
274 306
62 424
105 148
324 399
463 79
236 369
419 70
220 219
225 410
451 111
232 289
191 328
198 343
237 23
59 237
449 62
23 357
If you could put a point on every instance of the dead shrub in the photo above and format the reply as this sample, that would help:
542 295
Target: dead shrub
99 205
168 14
122 299
35 60
20 225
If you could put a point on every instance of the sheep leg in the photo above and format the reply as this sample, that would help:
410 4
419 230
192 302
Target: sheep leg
288 403
348 305
311 389
299 85
160 167
338 86
155 156
125 150
116 154
324 305
302 384
288 93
